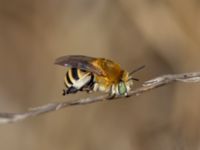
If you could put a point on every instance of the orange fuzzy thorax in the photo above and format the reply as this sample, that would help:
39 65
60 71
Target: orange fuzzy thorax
111 72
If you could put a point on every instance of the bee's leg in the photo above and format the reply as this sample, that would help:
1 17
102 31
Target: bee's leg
127 95
86 89
70 90
89 91
112 93
64 92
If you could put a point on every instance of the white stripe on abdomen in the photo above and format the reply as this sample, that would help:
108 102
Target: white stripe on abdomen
82 81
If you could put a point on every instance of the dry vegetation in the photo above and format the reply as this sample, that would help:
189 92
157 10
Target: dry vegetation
163 35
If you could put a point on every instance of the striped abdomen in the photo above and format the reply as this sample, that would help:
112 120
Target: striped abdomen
78 80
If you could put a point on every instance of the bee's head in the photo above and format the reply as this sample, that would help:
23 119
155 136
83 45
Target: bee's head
124 84
123 88
126 81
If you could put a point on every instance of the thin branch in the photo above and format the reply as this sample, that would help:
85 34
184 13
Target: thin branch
147 86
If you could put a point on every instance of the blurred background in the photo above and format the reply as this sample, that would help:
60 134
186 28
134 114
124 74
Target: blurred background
162 34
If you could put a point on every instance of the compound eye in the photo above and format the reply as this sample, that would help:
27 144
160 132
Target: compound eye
122 88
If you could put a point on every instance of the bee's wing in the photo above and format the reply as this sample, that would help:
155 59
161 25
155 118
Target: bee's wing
78 61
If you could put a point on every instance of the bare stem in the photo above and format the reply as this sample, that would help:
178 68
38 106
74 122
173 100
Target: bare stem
6 117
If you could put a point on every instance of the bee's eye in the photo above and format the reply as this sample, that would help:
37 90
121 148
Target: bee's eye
122 88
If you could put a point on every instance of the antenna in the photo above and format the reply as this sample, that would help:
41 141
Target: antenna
137 69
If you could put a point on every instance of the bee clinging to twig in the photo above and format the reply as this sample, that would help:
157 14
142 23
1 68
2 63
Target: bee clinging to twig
89 74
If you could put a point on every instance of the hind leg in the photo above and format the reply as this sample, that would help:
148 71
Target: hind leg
69 90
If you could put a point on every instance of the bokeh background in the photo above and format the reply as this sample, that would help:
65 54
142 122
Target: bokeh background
162 34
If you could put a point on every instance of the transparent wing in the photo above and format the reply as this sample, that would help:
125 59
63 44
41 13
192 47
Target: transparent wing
78 61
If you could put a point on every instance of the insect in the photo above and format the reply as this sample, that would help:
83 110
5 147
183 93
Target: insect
89 74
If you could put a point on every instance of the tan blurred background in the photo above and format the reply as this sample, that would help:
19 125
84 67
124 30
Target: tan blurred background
162 34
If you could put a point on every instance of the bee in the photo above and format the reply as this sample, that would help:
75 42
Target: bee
89 74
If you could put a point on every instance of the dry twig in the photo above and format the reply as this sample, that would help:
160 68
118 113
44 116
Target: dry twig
147 86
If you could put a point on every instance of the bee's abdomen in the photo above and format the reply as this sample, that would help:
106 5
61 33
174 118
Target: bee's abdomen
74 73
79 79
71 77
